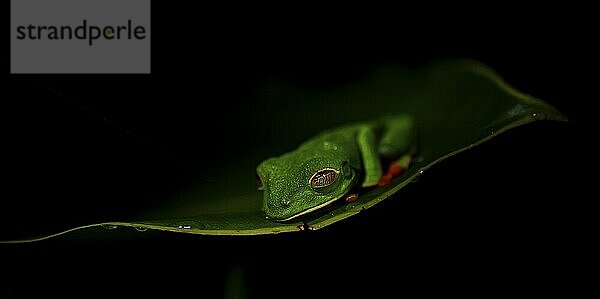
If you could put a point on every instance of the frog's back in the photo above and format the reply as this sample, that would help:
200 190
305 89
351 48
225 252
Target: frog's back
341 139
342 136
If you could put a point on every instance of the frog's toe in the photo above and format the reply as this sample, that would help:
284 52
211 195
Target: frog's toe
352 197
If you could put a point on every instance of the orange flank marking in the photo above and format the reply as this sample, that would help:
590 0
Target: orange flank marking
395 170
384 180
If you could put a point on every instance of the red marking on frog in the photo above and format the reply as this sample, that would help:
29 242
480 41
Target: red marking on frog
395 170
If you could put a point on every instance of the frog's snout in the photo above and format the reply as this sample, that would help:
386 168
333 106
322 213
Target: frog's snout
277 208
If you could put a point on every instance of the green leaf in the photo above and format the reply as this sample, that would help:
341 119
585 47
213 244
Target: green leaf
457 105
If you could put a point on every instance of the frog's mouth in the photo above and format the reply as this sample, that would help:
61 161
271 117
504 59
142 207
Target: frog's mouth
311 209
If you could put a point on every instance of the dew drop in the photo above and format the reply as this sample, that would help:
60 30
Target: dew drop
416 178
109 226
185 226
534 114
140 229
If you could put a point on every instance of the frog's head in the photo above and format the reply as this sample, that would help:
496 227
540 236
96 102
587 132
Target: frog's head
303 181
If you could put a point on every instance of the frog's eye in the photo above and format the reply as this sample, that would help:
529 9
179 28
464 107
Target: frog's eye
259 182
323 178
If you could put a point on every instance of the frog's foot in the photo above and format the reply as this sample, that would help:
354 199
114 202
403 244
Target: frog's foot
352 197
396 169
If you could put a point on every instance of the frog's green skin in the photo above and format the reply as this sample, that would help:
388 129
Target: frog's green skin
352 154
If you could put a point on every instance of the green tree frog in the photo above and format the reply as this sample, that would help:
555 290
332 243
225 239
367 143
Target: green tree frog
334 165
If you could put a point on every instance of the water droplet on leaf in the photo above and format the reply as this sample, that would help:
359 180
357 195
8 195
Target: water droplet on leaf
416 178
141 229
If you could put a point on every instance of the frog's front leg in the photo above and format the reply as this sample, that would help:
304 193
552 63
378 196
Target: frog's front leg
367 145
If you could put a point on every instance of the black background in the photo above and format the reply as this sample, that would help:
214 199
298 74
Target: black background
505 217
